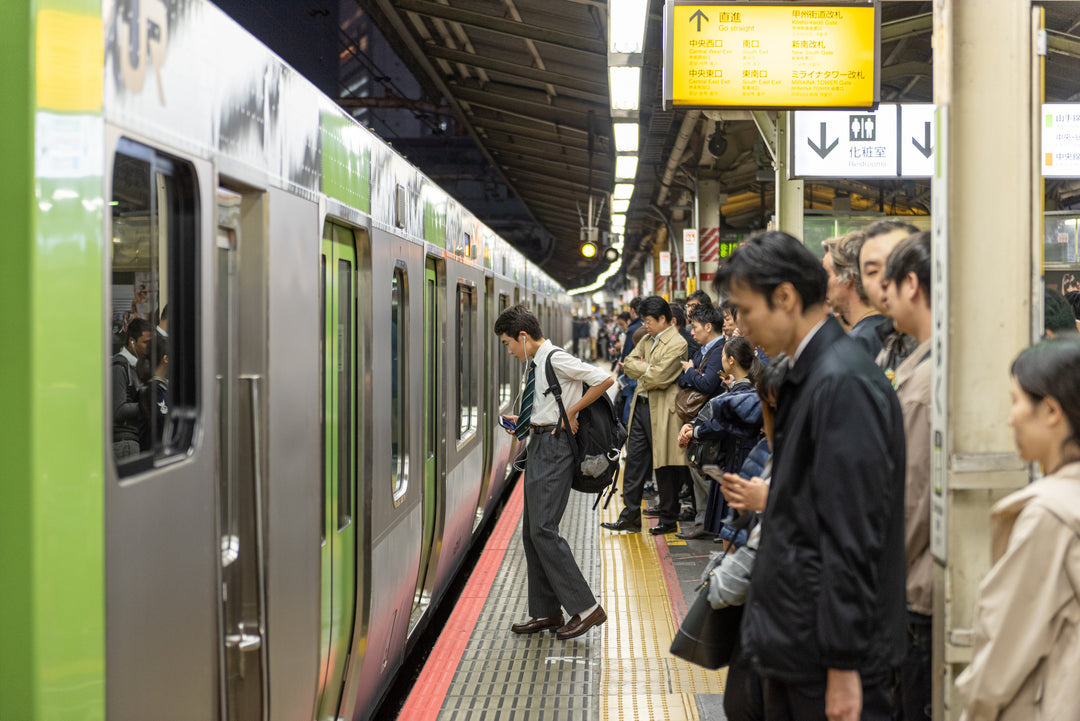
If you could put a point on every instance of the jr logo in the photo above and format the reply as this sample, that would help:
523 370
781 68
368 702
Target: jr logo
142 36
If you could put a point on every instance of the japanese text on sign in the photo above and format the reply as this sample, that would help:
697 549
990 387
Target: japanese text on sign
771 56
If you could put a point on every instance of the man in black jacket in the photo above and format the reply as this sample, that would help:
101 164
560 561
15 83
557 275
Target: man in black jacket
825 620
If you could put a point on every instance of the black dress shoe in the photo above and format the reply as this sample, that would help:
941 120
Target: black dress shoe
533 625
622 525
578 625
651 511
663 528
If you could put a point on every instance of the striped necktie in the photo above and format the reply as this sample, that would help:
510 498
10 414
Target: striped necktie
521 430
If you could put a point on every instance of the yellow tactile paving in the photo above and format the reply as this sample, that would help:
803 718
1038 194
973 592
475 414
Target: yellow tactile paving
640 678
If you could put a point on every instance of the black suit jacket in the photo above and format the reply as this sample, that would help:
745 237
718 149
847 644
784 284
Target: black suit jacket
827 589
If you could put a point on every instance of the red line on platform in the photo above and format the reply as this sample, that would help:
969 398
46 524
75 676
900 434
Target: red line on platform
426 699
671 578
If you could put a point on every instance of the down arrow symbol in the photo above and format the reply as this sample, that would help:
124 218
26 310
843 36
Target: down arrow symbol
925 148
823 149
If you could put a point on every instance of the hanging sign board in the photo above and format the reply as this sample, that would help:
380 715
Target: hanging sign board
771 54
665 263
690 245
1061 140
892 141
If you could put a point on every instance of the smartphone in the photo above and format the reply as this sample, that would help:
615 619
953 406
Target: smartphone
713 471
505 423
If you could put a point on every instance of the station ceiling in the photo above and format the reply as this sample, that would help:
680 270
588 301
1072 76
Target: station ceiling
525 82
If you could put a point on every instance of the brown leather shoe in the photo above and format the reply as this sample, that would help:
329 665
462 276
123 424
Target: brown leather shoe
535 625
578 625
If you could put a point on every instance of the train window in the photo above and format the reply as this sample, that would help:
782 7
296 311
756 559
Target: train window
153 319
467 408
399 362
505 392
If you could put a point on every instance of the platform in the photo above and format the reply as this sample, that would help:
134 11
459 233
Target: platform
480 671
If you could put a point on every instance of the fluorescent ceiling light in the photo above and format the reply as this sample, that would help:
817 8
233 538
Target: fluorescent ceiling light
625 87
626 27
626 137
620 206
625 167
623 191
618 221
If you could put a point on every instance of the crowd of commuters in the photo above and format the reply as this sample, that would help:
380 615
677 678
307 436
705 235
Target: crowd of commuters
139 373
794 420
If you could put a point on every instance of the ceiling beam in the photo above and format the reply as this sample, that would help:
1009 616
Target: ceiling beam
529 176
906 70
1063 43
503 26
522 71
522 108
574 161
915 25
567 135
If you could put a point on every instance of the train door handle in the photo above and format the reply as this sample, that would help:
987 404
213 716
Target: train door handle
244 642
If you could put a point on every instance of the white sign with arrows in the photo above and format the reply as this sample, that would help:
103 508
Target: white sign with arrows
893 141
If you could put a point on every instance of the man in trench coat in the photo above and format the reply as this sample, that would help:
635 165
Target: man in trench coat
653 438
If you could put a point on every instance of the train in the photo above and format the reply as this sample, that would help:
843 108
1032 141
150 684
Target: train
250 381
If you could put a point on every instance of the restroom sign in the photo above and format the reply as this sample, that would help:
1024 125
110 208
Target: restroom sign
893 141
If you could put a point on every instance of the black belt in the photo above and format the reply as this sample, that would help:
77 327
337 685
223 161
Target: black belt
543 429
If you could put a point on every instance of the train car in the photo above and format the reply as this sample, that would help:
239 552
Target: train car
250 383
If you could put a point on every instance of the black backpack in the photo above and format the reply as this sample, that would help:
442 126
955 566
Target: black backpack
597 444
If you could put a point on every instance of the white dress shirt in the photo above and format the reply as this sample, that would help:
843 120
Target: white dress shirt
571 373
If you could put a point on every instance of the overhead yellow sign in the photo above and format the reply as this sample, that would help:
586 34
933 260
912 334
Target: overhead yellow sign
771 56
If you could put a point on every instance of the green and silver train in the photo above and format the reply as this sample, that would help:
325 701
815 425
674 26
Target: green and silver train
249 386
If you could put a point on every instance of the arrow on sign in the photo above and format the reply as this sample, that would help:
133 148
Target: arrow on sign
699 16
925 148
822 150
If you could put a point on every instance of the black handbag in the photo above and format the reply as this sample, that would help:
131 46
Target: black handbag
707 635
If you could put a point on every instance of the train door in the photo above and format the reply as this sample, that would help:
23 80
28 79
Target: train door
338 346
240 349
489 387
433 425
162 625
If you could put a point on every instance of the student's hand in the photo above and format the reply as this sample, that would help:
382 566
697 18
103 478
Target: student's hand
843 695
572 417
513 421
744 495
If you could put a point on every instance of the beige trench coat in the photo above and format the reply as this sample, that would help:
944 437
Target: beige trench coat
656 369
1027 618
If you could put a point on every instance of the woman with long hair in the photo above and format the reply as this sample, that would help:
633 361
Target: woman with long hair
1027 618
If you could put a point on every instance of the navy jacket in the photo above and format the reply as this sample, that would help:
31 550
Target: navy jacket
704 377
628 344
735 413
865 331
828 583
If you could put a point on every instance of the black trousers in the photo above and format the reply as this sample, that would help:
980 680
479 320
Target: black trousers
915 674
638 460
806 701
669 480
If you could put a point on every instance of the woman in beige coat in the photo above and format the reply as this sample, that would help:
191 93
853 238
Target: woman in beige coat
1027 624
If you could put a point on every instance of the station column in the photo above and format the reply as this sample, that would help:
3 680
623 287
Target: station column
987 217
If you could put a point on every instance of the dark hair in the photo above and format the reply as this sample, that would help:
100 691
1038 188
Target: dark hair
518 319
1051 369
136 328
1073 296
772 377
1057 315
730 308
161 349
743 353
635 302
911 255
888 225
708 314
699 296
639 334
768 259
624 316
655 307
678 314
